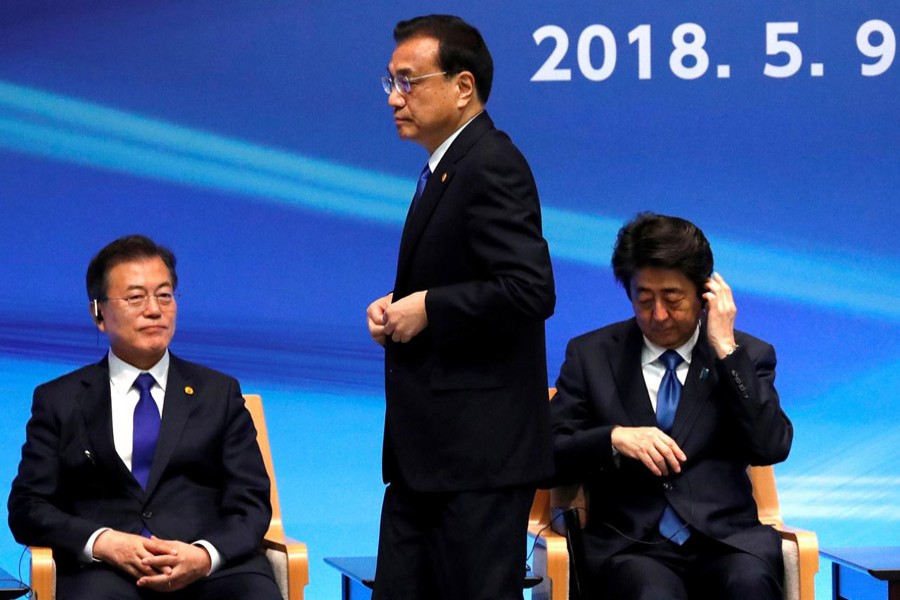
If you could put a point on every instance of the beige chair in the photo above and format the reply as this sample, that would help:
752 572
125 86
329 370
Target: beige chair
551 555
289 557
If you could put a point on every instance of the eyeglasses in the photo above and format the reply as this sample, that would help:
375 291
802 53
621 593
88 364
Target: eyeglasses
402 83
137 302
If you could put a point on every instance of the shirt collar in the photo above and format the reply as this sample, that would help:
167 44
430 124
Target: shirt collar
438 154
122 374
652 352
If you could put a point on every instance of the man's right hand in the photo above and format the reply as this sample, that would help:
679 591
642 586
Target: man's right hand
375 317
125 551
649 445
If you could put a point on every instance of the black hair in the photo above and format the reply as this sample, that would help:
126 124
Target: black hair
651 240
460 47
124 249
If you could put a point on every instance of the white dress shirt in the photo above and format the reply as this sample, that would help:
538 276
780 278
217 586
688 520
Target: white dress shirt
654 369
125 397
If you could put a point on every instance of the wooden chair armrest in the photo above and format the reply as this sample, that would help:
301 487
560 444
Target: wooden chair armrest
552 563
43 572
808 551
571 496
297 561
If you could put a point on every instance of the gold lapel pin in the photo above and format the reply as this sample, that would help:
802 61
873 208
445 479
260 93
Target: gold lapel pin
188 390
443 178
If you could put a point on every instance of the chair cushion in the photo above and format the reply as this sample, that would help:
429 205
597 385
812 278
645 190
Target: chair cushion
791 570
278 561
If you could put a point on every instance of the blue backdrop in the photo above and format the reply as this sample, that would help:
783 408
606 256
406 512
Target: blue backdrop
253 137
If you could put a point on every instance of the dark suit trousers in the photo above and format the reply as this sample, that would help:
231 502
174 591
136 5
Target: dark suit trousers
701 569
102 582
447 546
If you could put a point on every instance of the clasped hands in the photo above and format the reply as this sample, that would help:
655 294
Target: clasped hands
156 564
401 320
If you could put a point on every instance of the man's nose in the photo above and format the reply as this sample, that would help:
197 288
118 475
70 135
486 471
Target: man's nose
395 98
152 305
660 312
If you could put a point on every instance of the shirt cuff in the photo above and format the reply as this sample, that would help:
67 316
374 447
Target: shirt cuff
215 559
87 555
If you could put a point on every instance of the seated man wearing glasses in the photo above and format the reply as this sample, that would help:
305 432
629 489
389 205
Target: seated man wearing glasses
142 471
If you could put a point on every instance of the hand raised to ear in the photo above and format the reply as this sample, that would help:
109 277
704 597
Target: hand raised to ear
720 315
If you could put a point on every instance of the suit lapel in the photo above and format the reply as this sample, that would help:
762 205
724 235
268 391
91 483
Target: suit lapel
417 220
96 410
630 379
176 409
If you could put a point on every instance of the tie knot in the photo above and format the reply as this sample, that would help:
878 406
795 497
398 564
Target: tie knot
144 382
425 174
670 359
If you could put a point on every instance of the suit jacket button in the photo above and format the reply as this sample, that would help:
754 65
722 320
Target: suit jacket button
667 486
148 514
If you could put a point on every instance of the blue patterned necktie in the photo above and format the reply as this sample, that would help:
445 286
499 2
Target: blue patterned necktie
420 186
671 526
146 430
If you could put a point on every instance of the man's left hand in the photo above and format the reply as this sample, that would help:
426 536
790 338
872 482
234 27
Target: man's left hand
720 314
406 318
178 565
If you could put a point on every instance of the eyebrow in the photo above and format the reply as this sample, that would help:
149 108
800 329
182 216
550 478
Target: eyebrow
664 291
143 288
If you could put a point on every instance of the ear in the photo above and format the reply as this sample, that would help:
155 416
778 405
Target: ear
97 315
465 83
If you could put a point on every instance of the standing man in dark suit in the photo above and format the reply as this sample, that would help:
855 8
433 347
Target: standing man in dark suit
467 432
142 471
660 416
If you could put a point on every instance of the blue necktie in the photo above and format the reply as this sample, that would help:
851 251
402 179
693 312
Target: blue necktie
671 526
146 430
420 186
669 391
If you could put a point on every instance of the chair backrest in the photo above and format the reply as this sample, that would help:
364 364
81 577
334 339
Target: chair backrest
254 405
540 510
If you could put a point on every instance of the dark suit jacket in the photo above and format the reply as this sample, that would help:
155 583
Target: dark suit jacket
729 417
208 480
467 398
